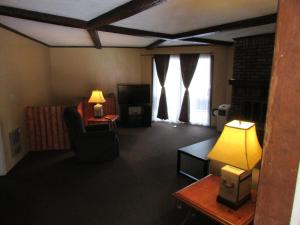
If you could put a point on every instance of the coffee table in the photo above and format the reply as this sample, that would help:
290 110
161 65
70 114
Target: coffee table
198 151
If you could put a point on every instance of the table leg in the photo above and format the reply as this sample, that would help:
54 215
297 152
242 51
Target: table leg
112 125
178 161
205 168
189 214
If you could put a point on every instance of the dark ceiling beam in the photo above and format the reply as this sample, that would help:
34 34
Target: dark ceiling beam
23 35
122 12
134 32
42 17
208 41
257 21
131 8
155 44
95 38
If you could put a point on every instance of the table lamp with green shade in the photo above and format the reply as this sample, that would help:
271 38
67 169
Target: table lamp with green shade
238 147
97 97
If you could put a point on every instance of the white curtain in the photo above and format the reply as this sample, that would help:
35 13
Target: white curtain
199 91
156 89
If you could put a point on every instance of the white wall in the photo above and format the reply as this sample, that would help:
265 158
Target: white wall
24 81
75 72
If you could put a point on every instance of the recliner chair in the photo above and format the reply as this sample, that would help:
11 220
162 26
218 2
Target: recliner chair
94 143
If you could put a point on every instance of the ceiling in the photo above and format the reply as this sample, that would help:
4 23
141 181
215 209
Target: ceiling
175 16
160 21
79 9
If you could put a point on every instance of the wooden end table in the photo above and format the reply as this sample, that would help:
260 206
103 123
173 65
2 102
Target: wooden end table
201 196
107 119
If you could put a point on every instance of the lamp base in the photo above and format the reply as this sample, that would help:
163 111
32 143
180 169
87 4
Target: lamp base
98 111
235 186
233 205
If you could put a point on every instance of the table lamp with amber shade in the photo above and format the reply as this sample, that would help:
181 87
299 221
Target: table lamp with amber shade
97 98
238 147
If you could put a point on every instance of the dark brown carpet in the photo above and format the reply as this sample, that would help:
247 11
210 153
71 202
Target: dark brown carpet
50 188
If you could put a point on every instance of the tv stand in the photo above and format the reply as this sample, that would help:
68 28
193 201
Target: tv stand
135 115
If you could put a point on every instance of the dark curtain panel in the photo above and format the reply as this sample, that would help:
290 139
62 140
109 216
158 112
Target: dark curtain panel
188 63
162 64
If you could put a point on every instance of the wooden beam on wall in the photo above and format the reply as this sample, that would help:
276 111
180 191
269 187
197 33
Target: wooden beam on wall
124 11
209 41
134 32
131 8
155 44
257 21
95 38
42 17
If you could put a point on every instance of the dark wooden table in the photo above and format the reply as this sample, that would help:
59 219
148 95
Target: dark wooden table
198 151
201 196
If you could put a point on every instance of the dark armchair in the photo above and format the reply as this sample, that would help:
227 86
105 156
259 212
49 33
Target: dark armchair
93 143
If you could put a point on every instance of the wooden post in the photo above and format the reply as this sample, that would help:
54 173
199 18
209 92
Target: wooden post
282 138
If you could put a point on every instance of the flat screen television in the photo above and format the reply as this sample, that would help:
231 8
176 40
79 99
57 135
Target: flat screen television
133 93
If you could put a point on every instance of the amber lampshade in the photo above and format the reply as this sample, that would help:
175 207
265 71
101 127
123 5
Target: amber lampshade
237 146
97 97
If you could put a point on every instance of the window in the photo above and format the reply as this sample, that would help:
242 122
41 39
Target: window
199 90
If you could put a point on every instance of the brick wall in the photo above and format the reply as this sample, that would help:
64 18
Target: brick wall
251 73
253 57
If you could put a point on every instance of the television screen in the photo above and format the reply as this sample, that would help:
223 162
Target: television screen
133 93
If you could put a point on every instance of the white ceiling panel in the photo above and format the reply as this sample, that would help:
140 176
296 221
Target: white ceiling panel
179 43
79 9
48 33
229 35
174 16
112 39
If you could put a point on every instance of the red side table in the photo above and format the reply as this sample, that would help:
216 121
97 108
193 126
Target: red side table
107 119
